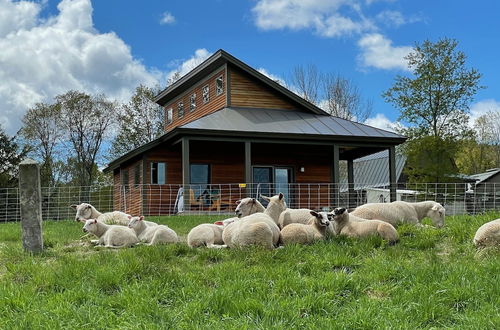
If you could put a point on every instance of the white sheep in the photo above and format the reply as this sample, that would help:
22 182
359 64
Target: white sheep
210 234
85 211
488 234
399 212
152 235
353 226
110 236
316 229
294 216
257 229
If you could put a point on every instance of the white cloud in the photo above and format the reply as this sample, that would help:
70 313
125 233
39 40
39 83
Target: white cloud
167 18
382 122
184 66
482 107
396 18
276 78
41 58
377 51
328 18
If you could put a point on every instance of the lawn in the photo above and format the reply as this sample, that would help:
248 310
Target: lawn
433 278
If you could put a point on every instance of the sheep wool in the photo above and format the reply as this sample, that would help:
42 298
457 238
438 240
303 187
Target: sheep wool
85 211
316 229
294 216
488 234
152 235
110 236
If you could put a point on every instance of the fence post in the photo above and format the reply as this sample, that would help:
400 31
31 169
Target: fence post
30 198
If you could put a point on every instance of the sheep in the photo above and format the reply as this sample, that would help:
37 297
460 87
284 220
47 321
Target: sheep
294 216
316 229
353 226
152 235
402 212
110 236
257 229
210 235
85 211
488 234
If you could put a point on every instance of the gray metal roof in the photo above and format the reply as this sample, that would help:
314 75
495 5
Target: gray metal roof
285 121
373 171
480 177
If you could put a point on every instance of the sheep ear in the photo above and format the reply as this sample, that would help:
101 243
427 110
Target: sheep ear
265 198
281 196
330 216
314 214
141 218
129 216
238 201
73 206
95 220
220 223
435 208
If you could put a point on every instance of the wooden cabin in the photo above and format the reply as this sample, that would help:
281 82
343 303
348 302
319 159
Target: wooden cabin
234 132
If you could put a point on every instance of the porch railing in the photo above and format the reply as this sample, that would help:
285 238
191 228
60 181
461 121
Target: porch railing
163 200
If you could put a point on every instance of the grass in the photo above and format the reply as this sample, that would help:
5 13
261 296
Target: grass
431 279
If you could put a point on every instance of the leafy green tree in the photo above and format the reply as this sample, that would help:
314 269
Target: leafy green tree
140 121
434 102
11 154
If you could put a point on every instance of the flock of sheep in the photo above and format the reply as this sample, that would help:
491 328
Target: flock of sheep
274 225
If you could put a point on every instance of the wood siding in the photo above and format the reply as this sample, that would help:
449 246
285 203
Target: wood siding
129 197
248 92
216 102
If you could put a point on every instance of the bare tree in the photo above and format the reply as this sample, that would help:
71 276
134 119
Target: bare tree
344 100
86 120
307 81
493 119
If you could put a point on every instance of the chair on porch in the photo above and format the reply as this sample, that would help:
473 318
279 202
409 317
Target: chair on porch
218 202
193 201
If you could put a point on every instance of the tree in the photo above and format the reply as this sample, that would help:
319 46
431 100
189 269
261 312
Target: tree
140 121
493 120
10 156
435 105
42 132
307 81
86 120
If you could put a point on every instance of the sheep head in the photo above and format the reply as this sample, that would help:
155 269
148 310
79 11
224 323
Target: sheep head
339 214
437 214
277 200
83 212
134 221
90 226
246 206
322 218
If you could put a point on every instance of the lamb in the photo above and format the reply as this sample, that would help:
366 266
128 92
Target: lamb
402 212
488 234
257 229
210 235
353 226
85 211
110 236
152 235
316 229
294 216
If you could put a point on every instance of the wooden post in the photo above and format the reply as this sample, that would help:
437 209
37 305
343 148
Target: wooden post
248 168
186 172
336 174
392 173
30 198
350 184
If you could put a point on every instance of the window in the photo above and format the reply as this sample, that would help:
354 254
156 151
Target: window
137 175
192 102
206 94
180 110
158 171
200 173
169 116
125 179
219 86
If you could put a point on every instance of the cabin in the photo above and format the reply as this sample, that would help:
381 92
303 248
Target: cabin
231 132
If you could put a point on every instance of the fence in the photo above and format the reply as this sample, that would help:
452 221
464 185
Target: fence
153 200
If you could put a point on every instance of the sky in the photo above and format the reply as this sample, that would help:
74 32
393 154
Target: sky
111 46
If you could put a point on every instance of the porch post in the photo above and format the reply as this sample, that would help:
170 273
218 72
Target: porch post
336 174
392 173
185 171
350 183
248 162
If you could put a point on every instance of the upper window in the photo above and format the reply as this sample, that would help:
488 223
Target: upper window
192 102
125 178
219 86
137 175
158 171
170 116
206 92
180 110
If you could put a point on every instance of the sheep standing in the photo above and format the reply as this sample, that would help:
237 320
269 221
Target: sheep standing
353 226
316 229
85 211
294 216
152 235
110 236
402 212
257 229
210 235
488 234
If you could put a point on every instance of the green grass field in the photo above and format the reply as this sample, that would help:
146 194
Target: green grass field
431 279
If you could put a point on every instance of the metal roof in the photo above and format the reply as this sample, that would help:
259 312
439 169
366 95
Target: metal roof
480 177
373 171
258 120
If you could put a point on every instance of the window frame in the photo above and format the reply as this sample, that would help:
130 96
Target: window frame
137 175
192 102
207 87
170 116
180 109
153 171
221 91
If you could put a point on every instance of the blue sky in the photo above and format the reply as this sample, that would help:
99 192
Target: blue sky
111 46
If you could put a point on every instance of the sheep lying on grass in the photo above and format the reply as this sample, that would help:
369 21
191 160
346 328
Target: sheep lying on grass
488 234
257 229
110 236
294 216
352 226
85 211
399 212
316 229
152 235
210 235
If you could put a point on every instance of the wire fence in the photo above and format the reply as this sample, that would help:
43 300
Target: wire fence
164 200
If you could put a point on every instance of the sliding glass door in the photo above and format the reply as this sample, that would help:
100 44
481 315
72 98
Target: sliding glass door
271 180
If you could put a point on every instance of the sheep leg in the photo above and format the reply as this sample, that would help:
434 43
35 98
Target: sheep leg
95 241
216 246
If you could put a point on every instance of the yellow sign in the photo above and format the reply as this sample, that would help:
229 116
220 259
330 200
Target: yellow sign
243 185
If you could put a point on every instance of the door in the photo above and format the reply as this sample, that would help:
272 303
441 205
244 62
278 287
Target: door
271 180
